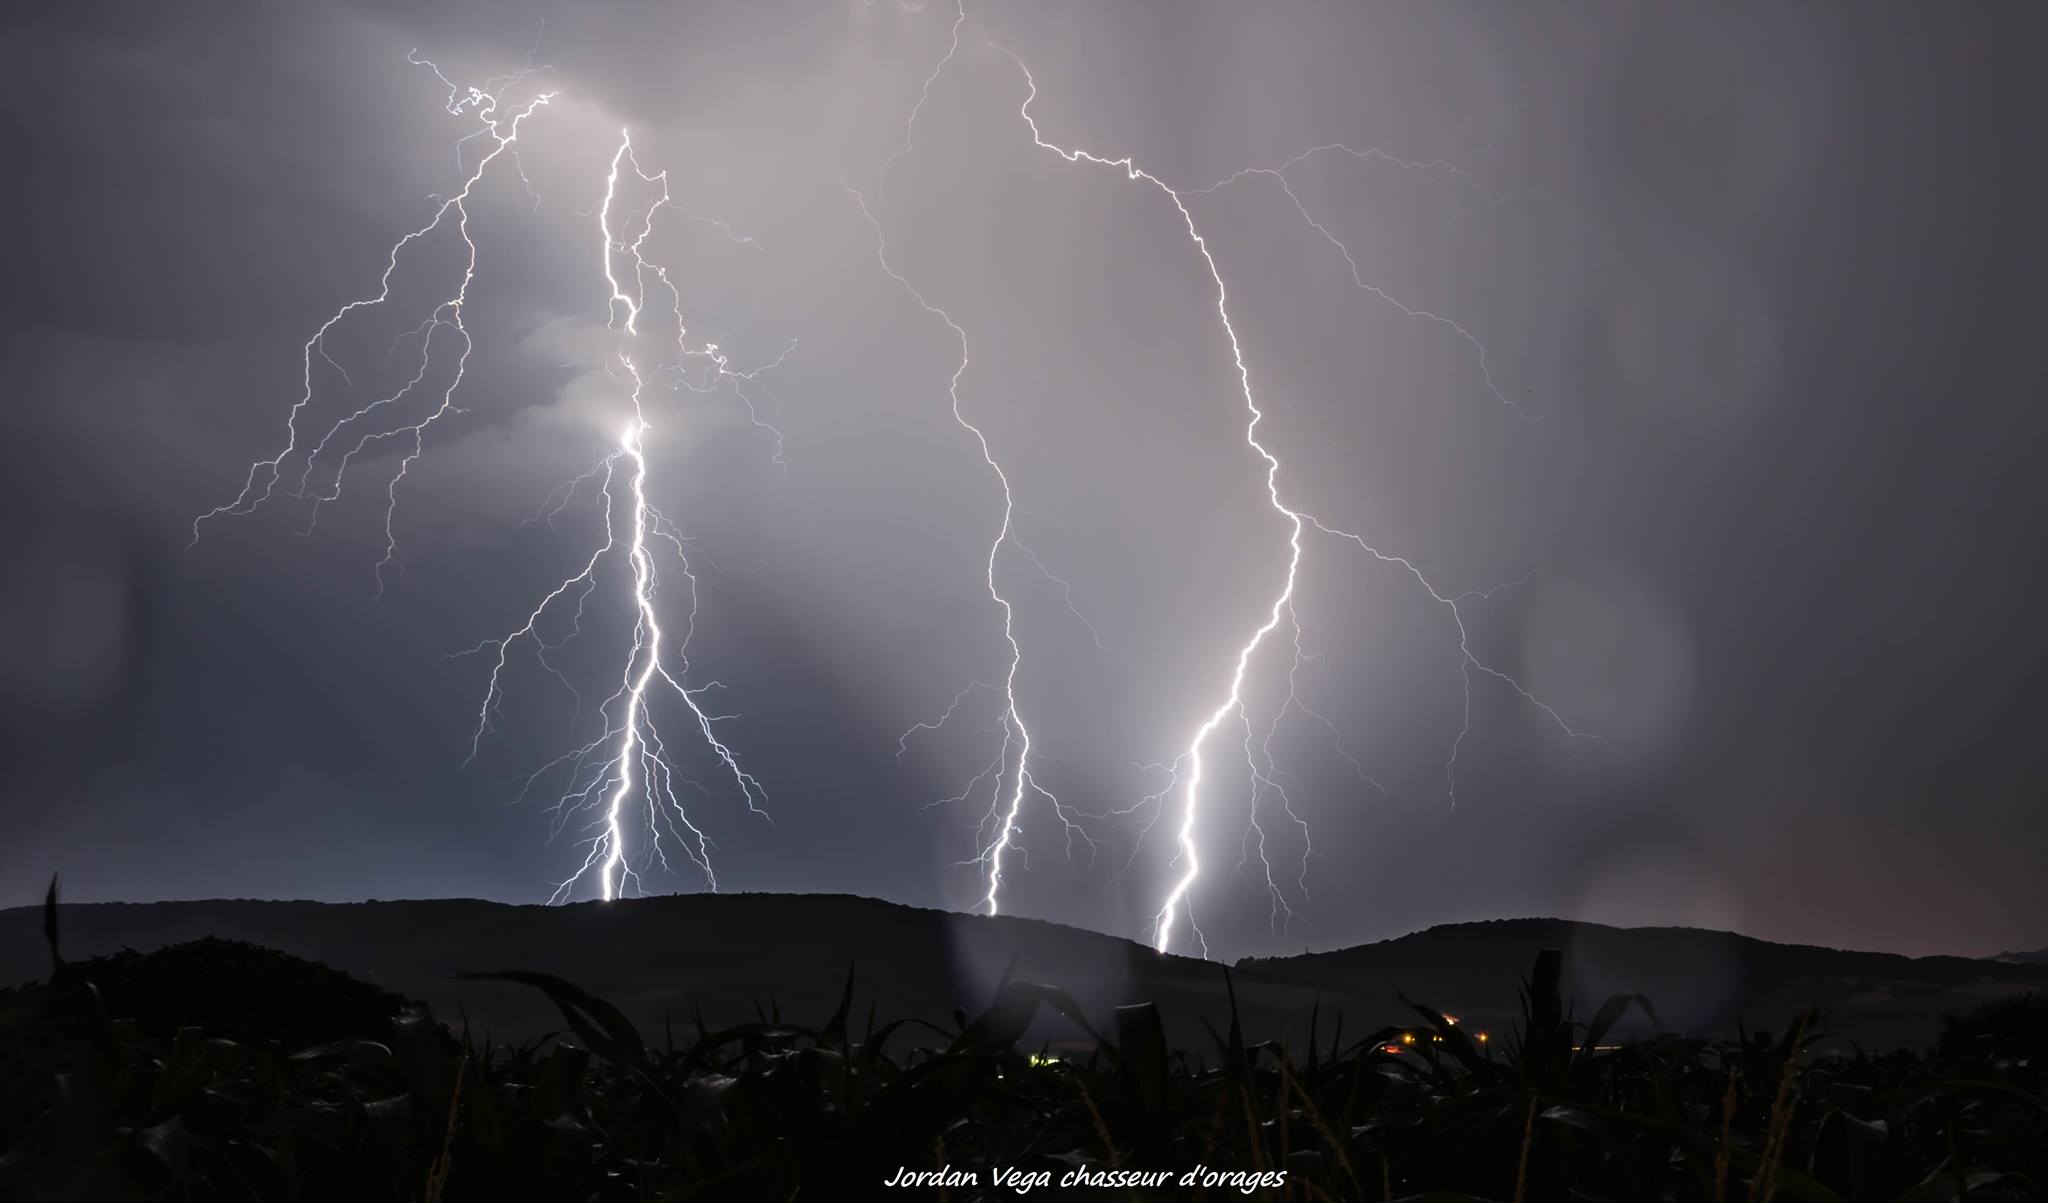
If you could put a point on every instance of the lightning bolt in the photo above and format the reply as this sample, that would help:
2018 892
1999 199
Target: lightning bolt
629 761
1189 770
1010 770
262 481
602 773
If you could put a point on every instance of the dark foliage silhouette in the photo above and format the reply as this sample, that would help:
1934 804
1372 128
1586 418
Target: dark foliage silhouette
214 1070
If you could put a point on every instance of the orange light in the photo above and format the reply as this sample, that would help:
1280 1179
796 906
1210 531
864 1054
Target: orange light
1407 1037
1450 1019
1482 1037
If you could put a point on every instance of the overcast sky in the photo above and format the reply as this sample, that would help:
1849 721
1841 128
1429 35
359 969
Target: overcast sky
1710 326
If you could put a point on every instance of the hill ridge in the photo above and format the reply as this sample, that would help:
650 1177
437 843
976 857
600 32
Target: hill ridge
663 956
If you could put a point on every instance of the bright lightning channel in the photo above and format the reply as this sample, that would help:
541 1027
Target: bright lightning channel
503 132
1010 770
602 772
1298 522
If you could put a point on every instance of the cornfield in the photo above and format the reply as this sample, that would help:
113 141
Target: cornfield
222 1071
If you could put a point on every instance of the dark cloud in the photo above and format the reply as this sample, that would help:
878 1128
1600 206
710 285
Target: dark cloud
1761 284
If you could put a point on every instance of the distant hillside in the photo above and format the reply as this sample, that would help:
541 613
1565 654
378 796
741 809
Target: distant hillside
1698 981
2037 957
660 958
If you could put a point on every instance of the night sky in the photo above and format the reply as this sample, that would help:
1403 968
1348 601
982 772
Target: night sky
1758 291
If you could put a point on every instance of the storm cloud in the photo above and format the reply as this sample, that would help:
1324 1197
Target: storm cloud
1754 425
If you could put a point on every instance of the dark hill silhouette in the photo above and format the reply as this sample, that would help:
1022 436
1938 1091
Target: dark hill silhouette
1699 981
659 958
234 990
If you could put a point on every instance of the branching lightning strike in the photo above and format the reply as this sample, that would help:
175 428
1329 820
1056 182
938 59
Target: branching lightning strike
1010 770
602 772
629 760
1298 522
447 314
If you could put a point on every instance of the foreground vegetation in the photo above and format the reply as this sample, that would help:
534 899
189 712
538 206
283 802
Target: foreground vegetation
217 1070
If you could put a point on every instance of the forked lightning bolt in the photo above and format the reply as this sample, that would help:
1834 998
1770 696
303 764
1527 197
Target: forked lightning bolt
1010 770
262 481
1189 769
629 761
